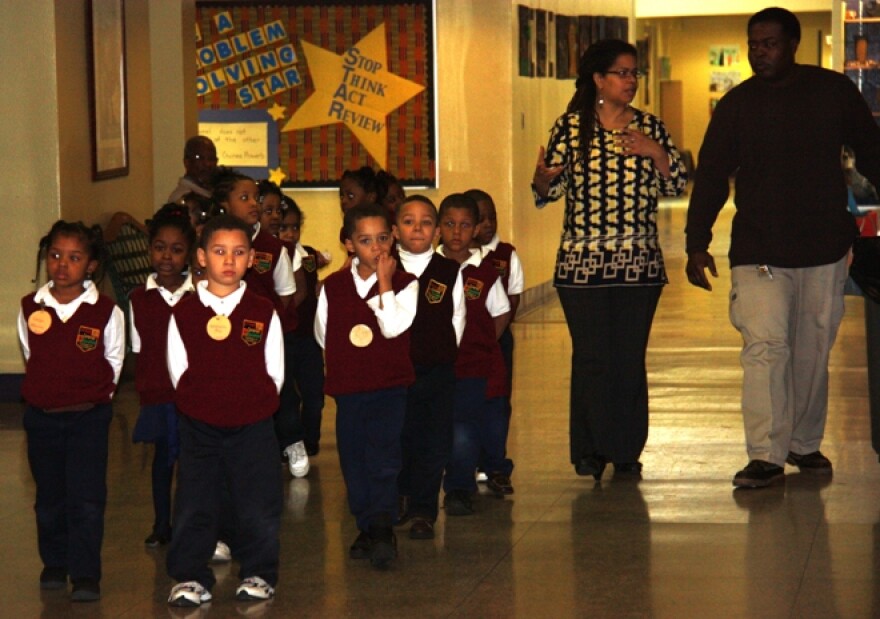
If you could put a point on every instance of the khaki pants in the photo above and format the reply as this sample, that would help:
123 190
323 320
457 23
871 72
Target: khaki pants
788 320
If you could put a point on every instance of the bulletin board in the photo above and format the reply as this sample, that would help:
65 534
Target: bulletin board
299 92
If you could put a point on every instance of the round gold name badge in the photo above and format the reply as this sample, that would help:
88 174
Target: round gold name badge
39 322
360 335
219 327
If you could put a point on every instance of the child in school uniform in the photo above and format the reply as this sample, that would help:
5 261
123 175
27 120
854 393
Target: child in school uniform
509 267
73 340
435 335
271 276
362 321
481 381
172 242
305 364
226 361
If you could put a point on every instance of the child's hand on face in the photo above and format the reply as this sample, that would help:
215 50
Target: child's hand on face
385 267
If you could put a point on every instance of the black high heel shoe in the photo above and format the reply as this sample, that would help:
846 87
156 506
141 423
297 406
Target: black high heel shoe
591 465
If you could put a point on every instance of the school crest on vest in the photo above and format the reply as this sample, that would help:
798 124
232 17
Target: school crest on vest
87 338
252 332
262 262
435 291
309 263
472 289
500 266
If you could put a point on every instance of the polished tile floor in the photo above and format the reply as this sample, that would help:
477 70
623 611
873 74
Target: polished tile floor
678 543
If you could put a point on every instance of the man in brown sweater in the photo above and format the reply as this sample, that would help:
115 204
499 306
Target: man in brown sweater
781 133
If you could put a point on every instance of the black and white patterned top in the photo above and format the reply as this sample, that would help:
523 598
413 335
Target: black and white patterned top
609 235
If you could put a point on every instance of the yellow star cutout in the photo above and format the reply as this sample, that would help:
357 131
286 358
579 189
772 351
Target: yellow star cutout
356 89
277 176
277 111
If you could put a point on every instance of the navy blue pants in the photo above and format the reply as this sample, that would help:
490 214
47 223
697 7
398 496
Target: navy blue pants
288 427
245 460
368 429
67 453
157 424
303 390
427 438
479 425
506 466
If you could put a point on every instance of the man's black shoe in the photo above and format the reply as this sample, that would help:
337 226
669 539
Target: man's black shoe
814 462
758 474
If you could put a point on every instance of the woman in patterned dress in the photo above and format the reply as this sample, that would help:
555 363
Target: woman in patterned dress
611 162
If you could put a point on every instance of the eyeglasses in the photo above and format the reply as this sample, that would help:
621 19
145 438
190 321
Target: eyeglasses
625 73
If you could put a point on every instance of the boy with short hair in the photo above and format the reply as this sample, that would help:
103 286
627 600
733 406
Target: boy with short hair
362 321
435 335
481 381
509 268
227 437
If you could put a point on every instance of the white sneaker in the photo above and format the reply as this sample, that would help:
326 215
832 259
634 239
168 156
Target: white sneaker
189 593
297 459
482 478
222 554
254 588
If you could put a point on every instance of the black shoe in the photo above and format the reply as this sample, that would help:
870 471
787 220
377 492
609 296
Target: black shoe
758 474
499 484
158 539
627 468
421 528
52 578
814 462
85 590
458 503
361 547
591 465
312 449
383 549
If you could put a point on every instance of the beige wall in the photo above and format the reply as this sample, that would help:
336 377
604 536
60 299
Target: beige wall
686 40
30 161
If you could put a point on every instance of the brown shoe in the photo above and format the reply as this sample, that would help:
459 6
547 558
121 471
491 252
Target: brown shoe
814 462
421 528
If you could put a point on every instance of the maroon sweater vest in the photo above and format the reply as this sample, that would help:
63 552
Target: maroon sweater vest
306 310
226 383
384 363
432 334
67 364
479 355
151 315
501 259
259 278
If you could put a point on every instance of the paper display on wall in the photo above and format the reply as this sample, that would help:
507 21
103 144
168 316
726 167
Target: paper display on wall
239 145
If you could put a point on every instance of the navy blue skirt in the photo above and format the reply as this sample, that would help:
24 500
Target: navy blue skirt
158 422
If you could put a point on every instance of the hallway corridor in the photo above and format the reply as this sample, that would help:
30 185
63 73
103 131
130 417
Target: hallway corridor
679 543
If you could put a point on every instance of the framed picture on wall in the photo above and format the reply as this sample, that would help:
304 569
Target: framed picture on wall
107 88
